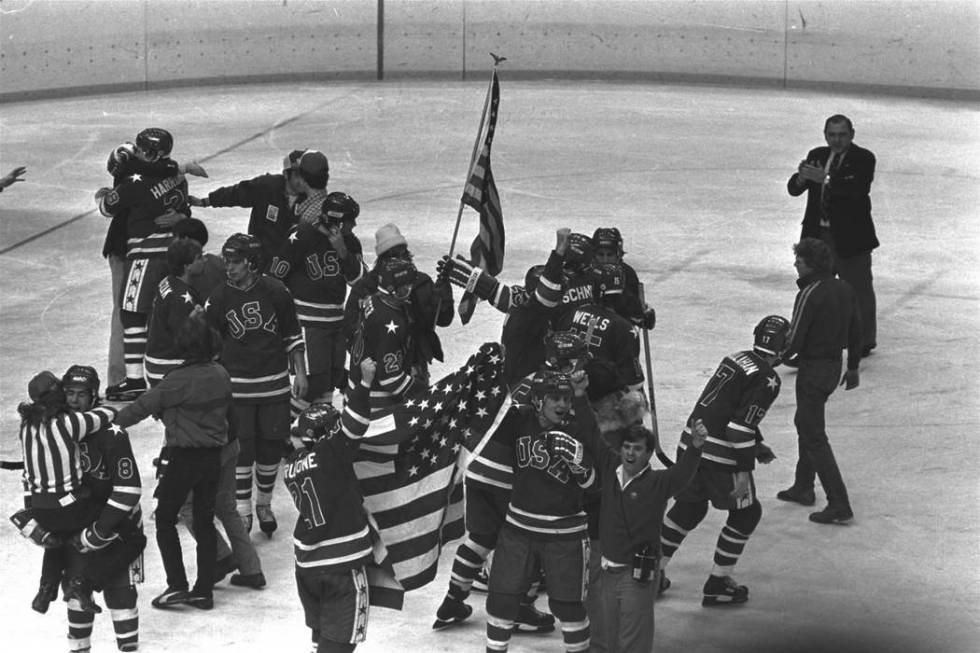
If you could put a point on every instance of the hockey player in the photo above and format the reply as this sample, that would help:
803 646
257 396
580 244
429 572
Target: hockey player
488 482
257 320
143 197
732 404
384 334
613 344
332 538
213 274
317 264
174 301
115 539
567 284
277 200
545 525
607 243
430 304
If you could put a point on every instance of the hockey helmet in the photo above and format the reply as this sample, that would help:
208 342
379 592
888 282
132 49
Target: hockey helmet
339 207
562 347
156 142
82 376
770 335
608 279
243 246
578 255
119 157
608 238
315 422
395 275
551 382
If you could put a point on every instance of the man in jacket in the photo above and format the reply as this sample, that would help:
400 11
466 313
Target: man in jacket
825 321
837 180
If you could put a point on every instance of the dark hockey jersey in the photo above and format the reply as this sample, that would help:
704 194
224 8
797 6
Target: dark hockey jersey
110 472
731 406
260 329
385 336
493 466
172 304
143 198
613 344
316 275
547 501
331 531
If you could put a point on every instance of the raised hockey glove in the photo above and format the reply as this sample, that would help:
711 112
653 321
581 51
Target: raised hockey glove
91 540
564 446
472 279
24 521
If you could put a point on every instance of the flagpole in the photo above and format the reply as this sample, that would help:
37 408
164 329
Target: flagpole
476 151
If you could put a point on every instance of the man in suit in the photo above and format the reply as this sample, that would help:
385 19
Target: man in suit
837 179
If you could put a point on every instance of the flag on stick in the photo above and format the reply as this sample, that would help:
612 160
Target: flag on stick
407 465
480 193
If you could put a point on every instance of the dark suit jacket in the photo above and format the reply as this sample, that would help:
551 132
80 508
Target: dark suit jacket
850 206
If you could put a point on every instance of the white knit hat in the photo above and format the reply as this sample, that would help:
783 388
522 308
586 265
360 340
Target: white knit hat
388 237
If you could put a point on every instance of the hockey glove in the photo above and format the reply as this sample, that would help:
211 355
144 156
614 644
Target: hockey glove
764 454
649 319
91 540
564 446
472 279
33 531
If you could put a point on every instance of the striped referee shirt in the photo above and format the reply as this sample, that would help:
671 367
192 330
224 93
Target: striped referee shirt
52 462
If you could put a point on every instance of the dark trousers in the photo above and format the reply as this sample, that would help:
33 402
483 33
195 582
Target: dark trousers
189 469
816 380
65 522
856 271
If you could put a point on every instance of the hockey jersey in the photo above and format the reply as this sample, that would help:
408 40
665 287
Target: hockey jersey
332 530
172 304
613 344
144 197
385 336
731 406
316 275
493 466
260 329
110 472
547 501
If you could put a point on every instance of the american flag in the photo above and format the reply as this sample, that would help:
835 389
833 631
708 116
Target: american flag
409 466
487 250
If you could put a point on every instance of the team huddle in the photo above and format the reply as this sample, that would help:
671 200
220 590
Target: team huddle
281 351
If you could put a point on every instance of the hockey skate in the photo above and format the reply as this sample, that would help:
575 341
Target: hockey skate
451 612
481 581
267 521
128 390
723 590
531 620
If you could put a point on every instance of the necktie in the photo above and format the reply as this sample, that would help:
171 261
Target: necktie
832 161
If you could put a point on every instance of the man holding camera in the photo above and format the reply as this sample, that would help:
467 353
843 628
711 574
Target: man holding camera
634 498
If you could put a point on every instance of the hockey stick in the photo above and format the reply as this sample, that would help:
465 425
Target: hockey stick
661 456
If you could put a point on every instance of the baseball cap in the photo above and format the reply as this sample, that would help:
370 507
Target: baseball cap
311 162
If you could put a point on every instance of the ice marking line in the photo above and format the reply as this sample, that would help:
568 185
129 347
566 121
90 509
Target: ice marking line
230 148
917 290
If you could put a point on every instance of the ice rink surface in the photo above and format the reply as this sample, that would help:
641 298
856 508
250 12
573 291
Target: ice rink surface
694 176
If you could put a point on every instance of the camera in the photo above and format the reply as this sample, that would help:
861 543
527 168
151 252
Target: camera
645 564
